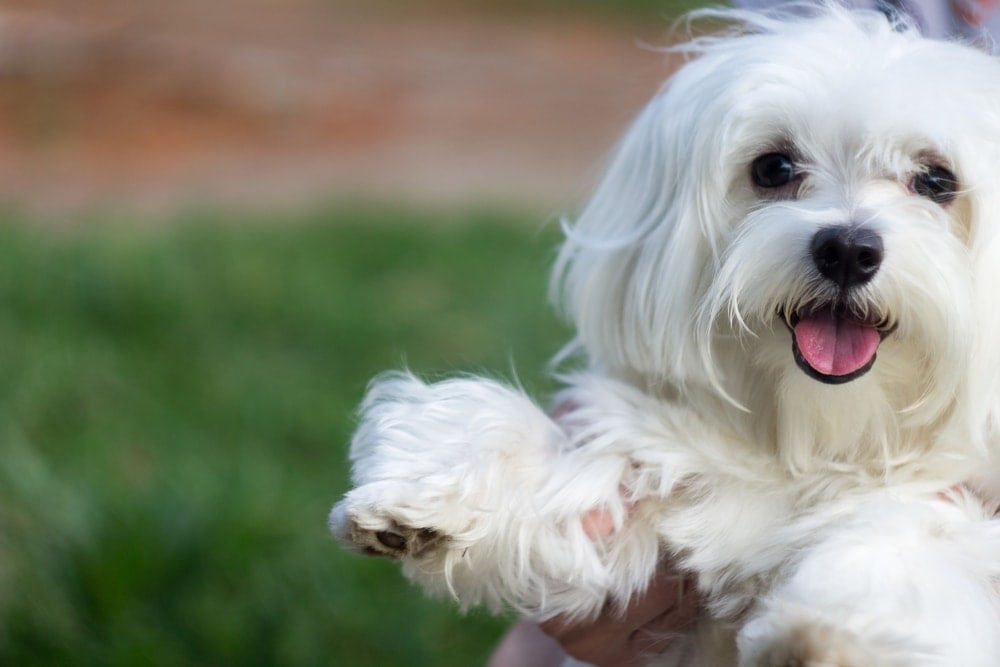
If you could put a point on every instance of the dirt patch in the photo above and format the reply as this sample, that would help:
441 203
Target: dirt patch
254 103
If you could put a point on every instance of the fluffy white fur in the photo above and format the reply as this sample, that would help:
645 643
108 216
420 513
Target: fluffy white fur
824 522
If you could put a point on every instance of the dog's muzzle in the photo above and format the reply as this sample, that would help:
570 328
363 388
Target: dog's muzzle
830 342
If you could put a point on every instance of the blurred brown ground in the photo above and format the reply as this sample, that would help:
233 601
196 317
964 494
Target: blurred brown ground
149 106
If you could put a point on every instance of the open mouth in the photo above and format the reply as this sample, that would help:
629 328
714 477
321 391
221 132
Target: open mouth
833 345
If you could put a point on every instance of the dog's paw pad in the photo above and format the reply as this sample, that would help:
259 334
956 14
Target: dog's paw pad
398 541
393 541
818 645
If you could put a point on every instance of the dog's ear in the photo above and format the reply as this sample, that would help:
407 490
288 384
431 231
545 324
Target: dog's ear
636 262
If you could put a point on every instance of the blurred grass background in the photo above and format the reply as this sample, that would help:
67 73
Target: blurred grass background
176 396
176 403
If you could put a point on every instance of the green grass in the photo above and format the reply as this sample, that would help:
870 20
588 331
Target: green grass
175 404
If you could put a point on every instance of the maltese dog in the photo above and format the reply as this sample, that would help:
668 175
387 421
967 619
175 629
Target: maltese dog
786 289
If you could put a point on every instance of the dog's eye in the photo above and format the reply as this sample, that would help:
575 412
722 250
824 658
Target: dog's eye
772 170
937 184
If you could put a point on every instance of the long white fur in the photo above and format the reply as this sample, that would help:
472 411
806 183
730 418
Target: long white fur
812 514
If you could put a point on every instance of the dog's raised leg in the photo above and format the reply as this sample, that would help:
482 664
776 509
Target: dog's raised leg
455 479
870 591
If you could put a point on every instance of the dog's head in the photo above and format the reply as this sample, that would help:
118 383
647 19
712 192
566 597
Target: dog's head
806 216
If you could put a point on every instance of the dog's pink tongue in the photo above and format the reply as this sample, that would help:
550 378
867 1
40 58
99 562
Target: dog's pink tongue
834 345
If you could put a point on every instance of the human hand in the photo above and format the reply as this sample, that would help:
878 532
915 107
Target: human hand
630 637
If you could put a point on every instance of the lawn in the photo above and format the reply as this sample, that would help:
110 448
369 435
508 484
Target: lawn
175 407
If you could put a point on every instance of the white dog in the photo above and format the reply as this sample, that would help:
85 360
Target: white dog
787 290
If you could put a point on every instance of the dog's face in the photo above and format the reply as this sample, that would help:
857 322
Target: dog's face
808 210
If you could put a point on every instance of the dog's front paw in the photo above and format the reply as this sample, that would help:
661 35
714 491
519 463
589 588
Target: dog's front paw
816 646
375 534
455 480
814 642
433 464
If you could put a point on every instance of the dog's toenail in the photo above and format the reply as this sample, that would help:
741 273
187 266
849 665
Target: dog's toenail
391 540
427 534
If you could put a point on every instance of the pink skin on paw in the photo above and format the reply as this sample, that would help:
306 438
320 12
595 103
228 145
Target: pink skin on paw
598 523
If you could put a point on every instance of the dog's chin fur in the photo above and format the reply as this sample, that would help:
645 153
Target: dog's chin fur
822 514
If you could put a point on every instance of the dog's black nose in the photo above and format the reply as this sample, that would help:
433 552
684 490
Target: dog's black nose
849 256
